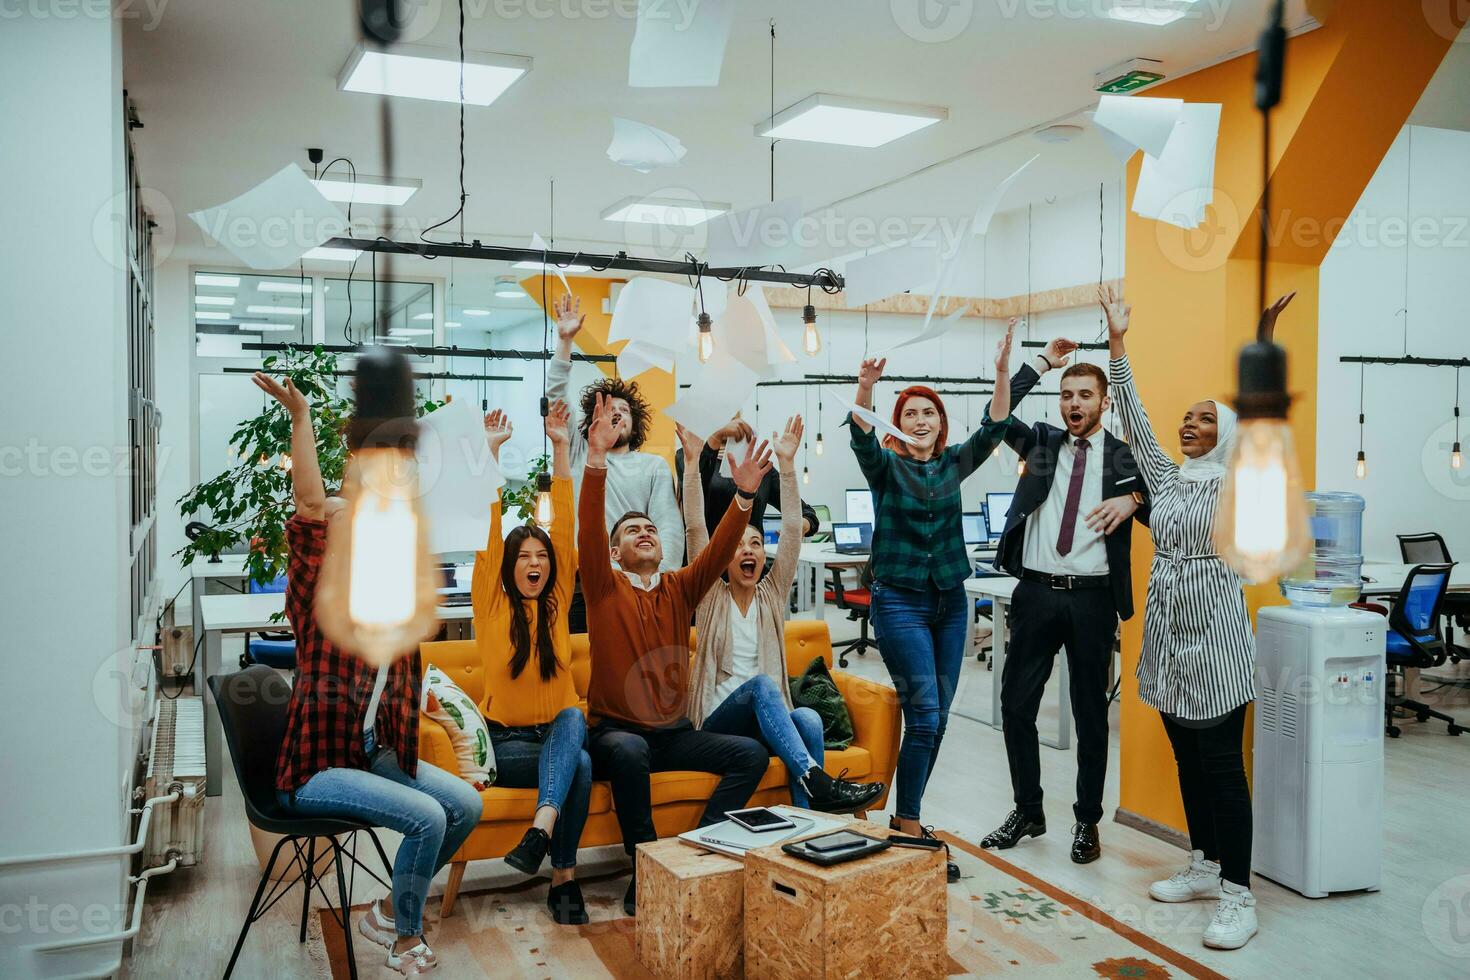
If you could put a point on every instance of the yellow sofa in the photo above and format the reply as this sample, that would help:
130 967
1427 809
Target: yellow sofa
678 797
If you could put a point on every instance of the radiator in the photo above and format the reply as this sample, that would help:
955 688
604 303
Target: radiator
176 756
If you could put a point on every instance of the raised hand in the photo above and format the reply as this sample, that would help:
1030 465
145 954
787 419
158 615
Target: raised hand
569 316
292 400
1056 351
788 442
1270 313
1115 310
750 471
693 445
871 372
497 431
737 429
1003 352
600 433
556 423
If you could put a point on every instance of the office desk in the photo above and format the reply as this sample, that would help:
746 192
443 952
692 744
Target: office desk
1388 578
245 613
811 574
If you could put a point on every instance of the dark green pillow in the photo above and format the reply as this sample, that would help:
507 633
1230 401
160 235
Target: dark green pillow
816 689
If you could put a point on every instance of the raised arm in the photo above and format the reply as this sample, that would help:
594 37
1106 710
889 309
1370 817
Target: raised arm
485 580
788 550
563 530
869 374
569 319
593 554
696 530
1157 466
307 489
697 577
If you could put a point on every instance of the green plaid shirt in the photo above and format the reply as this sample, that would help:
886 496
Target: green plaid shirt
918 539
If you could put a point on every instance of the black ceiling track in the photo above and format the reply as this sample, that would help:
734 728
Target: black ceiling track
485 353
1454 362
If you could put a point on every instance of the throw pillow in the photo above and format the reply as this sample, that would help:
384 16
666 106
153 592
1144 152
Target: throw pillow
457 713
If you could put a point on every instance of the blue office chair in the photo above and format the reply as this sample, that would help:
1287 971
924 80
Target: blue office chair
1414 640
275 648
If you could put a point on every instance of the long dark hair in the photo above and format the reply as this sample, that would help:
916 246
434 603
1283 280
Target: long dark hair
520 628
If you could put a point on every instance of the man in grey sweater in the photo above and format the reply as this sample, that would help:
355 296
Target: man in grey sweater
637 482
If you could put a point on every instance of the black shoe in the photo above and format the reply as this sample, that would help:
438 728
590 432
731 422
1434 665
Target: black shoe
566 904
527 856
1010 833
1086 848
630 897
838 795
951 870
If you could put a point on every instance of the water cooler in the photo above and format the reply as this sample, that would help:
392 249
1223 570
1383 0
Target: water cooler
1318 776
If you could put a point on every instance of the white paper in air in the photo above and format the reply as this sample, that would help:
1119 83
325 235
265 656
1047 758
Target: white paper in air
765 235
539 244
1144 122
677 44
637 357
889 272
274 223
653 311
642 147
985 210
720 389
875 420
1175 187
458 477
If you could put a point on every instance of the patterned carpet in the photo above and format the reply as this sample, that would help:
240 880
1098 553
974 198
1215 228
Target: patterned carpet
1002 921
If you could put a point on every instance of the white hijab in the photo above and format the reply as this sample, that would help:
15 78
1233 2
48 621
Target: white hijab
1211 466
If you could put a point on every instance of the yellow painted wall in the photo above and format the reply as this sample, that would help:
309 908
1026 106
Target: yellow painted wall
657 386
1349 86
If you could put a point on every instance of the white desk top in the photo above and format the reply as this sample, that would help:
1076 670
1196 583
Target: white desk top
247 612
228 566
1388 577
822 554
992 586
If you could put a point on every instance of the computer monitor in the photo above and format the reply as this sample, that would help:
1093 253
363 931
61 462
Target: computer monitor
974 527
771 529
860 507
997 506
852 539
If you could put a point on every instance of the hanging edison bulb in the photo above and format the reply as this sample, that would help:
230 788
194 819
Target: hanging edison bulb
811 340
544 511
806 476
1361 469
820 447
1456 460
706 337
377 592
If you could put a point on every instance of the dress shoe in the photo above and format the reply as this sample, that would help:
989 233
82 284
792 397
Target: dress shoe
566 904
1010 833
630 897
526 857
1086 848
829 795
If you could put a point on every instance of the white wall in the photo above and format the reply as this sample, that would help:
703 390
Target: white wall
65 727
1410 486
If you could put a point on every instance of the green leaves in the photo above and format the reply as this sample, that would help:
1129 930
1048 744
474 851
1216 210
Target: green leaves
523 497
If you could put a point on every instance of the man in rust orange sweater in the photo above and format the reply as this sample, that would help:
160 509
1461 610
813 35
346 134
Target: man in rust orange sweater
638 619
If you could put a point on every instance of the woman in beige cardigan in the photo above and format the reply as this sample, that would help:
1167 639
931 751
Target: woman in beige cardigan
739 684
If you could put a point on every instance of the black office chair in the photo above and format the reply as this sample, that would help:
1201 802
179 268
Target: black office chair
1429 549
856 602
252 711
1413 640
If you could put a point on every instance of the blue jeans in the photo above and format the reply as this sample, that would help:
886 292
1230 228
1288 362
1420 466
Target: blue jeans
434 811
756 710
553 758
921 636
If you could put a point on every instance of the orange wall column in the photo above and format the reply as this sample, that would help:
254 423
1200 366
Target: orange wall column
1349 87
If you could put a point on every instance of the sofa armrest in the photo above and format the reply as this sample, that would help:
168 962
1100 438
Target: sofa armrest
435 747
876 723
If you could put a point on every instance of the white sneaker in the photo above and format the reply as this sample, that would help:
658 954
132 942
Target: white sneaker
413 962
1234 922
375 927
1200 880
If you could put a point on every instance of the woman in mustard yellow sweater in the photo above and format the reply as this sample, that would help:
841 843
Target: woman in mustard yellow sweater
522 587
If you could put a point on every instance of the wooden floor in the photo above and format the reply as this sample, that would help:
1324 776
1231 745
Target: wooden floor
193 916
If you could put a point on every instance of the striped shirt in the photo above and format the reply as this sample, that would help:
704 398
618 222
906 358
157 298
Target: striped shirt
918 540
1198 659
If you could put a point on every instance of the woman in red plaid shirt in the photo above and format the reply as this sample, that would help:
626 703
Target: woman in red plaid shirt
351 745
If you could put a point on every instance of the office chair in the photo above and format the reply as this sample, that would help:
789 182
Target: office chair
1429 548
824 519
274 648
1413 640
856 602
252 711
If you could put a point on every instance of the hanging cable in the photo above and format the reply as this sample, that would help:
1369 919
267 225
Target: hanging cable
1456 457
1408 238
772 122
1362 465
459 212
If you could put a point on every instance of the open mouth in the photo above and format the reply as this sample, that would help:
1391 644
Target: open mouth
747 567
1075 418
1187 437
533 577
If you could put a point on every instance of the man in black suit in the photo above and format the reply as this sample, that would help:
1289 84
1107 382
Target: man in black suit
1067 539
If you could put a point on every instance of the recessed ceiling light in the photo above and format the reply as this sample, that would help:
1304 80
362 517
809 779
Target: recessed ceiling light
536 267
206 279
663 211
327 254
214 301
390 191
1155 13
475 312
264 326
299 288
410 332
424 316
211 315
824 118
453 323
506 287
279 310
416 72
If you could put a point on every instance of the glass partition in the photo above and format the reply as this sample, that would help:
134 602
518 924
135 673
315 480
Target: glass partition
233 308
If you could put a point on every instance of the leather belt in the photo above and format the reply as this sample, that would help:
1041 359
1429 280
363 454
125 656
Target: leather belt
1067 582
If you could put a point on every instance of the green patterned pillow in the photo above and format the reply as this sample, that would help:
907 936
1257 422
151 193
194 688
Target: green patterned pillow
460 717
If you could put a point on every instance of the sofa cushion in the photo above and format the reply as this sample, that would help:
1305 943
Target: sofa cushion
505 803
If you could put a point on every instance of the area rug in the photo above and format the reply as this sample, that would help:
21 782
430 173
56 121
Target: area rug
1002 921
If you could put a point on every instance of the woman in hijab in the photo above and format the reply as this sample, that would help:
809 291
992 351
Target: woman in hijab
1198 661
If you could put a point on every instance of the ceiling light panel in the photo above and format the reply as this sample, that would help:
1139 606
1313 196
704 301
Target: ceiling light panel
390 191
298 288
417 72
207 279
824 118
279 310
324 253
214 301
1154 13
663 211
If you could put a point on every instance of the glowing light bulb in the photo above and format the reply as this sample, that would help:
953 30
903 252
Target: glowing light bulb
1020 465
806 475
1456 460
544 510
706 338
811 340
1361 469
1261 517
820 447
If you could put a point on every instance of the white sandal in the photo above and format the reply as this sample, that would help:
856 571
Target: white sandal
372 925
413 961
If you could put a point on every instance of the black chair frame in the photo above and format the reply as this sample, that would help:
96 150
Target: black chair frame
1426 653
839 598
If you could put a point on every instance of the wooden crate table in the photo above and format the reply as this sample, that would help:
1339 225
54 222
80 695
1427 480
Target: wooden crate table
882 915
689 911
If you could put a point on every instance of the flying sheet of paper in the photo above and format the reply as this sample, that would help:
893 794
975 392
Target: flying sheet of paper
1117 145
720 389
1175 187
933 328
734 449
985 210
776 350
740 331
677 45
876 421
653 311
765 235
642 147
891 271
1144 122
458 477
539 244
637 357
274 223
941 289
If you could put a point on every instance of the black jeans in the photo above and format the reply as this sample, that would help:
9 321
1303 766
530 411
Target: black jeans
1043 620
625 756
1217 798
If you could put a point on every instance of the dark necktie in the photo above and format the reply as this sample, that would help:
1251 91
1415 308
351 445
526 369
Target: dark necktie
1074 497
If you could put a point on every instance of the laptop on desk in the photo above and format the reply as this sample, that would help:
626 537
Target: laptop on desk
852 539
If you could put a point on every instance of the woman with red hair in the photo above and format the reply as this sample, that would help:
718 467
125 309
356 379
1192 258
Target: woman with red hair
919 562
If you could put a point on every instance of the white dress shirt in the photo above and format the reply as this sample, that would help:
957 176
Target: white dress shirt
1089 554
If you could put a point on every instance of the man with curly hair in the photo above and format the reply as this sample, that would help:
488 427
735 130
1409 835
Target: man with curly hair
636 481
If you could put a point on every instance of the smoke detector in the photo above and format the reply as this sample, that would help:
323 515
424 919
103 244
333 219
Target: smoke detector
1060 133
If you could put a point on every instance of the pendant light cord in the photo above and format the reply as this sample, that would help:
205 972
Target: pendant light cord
772 120
1409 238
459 212
1361 378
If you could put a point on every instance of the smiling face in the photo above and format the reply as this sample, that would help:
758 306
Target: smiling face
1200 429
749 561
921 419
1082 403
635 545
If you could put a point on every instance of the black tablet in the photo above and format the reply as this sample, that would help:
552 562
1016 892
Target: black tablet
826 851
